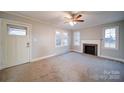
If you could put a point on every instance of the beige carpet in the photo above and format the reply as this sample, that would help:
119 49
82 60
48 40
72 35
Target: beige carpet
68 67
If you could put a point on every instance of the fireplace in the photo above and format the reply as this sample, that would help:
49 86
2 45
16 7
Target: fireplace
90 49
97 44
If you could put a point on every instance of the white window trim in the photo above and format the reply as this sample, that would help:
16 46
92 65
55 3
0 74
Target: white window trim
61 39
117 33
74 39
55 40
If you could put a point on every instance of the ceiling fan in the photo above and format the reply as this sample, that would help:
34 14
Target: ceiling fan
73 19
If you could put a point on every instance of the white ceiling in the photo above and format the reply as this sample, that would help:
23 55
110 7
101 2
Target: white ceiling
57 17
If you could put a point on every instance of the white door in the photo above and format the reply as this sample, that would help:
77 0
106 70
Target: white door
16 43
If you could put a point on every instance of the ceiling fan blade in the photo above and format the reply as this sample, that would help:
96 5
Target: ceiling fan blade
78 16
79 20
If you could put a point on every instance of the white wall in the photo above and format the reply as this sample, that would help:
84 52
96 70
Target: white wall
95 33
43 37
120 52
43 41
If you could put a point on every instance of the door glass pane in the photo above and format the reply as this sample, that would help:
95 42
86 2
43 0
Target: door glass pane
17 31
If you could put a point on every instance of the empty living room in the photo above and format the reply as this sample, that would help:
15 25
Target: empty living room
61 46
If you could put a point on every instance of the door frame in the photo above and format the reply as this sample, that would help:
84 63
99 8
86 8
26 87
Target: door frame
4 22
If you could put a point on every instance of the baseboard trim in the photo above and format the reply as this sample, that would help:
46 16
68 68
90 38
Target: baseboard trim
45 57
34 60
107 57
76 51
41 58
5 67
112 58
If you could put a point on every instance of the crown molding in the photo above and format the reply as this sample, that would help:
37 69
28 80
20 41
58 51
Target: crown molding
33 19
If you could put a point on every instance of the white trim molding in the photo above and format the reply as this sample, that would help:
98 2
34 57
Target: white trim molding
48 56
4 27
112 58
32 60
76 51
41 58
98 42
117 37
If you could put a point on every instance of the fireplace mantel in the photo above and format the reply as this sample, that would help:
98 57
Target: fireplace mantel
98 42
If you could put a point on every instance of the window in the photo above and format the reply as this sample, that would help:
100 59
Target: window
77 38
65 39
16 30
61 39
58 39
111 37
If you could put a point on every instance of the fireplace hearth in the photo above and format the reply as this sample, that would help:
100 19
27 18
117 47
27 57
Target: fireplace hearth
90 49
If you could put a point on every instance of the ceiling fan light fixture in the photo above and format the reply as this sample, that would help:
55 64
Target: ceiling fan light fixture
71 23
75 23
74 19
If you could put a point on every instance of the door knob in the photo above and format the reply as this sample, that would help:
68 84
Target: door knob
28 44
